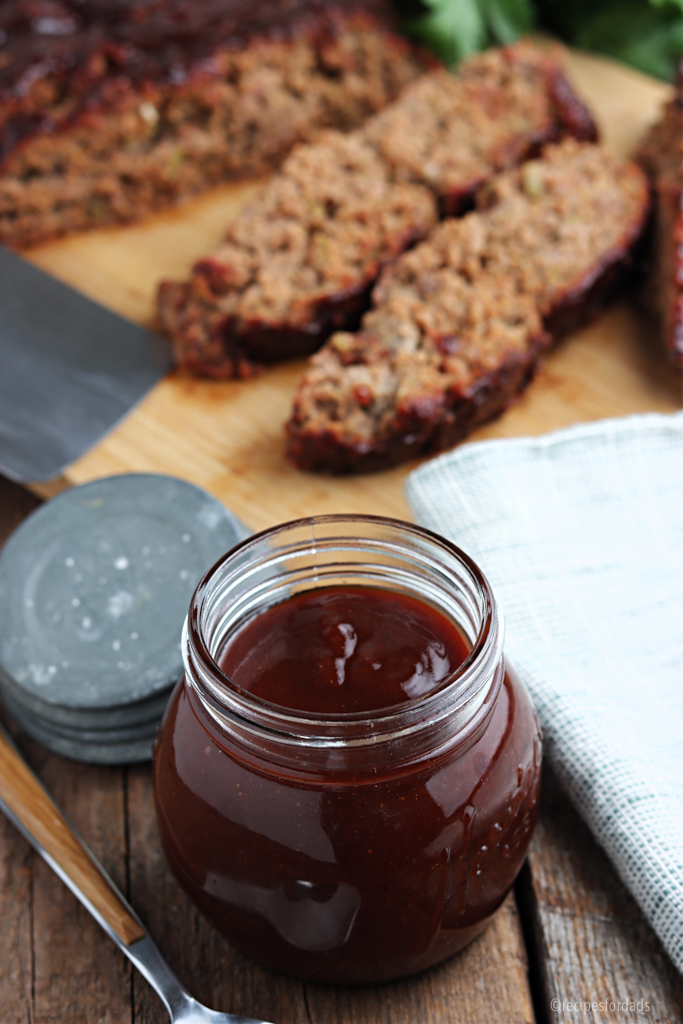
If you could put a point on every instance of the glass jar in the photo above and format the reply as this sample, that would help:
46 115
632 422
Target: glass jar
352 847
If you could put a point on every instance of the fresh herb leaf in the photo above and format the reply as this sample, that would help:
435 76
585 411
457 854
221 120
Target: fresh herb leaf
507 20
645 33
454 28
668 3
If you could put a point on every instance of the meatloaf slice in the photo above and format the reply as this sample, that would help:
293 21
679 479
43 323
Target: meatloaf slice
662 157
114 108
300 260
458 323
452 132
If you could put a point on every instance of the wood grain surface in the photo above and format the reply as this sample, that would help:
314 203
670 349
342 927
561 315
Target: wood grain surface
25 798
569 932
588 940
228 437
490 974
58 967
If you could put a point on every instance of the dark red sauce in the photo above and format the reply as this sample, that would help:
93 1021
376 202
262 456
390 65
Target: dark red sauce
347 874
343 649
87 51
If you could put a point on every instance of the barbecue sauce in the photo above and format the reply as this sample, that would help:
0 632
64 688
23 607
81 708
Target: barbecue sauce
59 58
339 650
347 873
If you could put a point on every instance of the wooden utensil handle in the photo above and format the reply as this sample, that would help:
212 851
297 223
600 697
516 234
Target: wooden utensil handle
49 831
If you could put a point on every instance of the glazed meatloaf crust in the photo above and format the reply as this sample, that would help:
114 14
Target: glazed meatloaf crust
112 108
458 323
301 259
662 158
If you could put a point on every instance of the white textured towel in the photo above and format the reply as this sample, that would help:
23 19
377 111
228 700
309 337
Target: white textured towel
580 533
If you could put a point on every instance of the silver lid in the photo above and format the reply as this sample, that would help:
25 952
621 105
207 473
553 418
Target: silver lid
94 588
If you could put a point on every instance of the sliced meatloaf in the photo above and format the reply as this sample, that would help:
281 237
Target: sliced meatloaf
458 323
113 108
300 260
452 132
662 157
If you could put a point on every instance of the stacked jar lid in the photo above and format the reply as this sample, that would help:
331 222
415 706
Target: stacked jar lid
94 589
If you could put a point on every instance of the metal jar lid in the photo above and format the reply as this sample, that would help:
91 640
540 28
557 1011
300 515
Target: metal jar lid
94 589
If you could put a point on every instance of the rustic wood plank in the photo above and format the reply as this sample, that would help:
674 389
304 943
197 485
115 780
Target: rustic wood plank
227 437
57 965
490 974
29 803
16 885
16 856
15 504
205 962
588 931
80 975
470 987
590 940
486 983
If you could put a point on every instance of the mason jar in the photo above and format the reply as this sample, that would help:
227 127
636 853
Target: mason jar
347 847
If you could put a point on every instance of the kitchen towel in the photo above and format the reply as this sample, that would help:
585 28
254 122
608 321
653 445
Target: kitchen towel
580 533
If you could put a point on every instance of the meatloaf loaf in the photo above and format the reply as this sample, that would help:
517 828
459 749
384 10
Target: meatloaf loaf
112 108
301 259
662 157
458 323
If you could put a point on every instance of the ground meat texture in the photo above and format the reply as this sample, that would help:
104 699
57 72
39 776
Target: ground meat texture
459 322
662 157
109 111
298 261
500 108
301 259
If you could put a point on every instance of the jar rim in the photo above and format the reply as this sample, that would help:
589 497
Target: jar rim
486 647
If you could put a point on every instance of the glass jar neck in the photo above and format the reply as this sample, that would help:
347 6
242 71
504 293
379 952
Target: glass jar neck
334 551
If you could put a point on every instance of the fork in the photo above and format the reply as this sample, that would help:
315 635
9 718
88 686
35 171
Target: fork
30 807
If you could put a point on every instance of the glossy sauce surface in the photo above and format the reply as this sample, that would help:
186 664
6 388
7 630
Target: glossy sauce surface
142 38
338 650
342 873
61 58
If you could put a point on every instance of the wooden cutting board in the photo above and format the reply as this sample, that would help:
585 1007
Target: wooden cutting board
228 437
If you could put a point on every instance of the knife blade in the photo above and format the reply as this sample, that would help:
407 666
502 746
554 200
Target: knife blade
69 371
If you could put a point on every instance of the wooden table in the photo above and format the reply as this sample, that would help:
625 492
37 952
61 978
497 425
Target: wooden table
569 932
